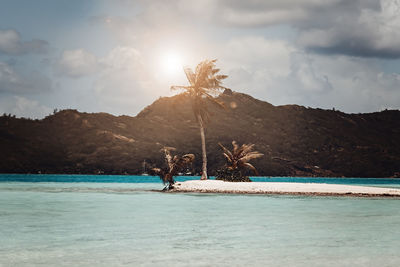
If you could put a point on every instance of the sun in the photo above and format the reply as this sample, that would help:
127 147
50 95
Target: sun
171 63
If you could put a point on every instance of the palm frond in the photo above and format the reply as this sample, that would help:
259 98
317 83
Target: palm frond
168 157
251 167
188 158
221 77
246 149
215 71
161 173
250 156
157 171
235 147
226 151
180 87
227 157
190 75
215 101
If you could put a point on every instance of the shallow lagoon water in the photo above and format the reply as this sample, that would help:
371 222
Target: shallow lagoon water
125 224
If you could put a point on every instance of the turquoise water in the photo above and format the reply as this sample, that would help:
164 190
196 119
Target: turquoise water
386 182
124 224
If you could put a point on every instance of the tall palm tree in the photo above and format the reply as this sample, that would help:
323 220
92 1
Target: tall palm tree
204 84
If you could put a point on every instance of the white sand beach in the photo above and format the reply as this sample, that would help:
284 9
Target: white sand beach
216 186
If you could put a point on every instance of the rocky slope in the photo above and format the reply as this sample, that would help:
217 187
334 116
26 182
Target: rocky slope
296 141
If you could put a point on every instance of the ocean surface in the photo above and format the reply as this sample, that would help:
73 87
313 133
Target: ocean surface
89 220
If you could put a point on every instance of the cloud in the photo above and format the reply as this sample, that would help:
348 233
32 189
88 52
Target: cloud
367 33
256 13
76 63
126 84
358 84
23 107
13 82
361 28
286 74
123 82
11 44
356 28
273 70
254 52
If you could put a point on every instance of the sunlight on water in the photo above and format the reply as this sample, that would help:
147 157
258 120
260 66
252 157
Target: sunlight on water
125 224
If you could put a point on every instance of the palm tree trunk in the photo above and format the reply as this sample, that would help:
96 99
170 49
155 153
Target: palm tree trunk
203 148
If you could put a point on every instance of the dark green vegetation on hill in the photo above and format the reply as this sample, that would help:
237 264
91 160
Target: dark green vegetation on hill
295 141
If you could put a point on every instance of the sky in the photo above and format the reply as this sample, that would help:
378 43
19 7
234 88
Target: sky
119 56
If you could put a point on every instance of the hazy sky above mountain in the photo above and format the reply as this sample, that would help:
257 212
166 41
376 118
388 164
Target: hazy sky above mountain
119 56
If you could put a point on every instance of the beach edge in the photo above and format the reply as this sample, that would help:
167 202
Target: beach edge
266 188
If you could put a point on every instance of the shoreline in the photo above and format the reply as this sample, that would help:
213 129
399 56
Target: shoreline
271 188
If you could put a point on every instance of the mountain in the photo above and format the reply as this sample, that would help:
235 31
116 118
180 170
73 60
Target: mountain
296 141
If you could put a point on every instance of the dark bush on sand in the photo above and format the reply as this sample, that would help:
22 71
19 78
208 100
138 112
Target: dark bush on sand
229 175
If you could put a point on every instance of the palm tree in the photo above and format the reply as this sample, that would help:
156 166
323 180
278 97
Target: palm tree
174 165
238 160
204 84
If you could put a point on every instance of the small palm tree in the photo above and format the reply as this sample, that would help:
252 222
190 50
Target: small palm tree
174 165
204 84
238 161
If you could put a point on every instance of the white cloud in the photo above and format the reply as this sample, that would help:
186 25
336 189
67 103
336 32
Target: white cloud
126 84
76 63
23 107
261 13
122 57
10 43
363 28
13 82
253 52
369 33
285 74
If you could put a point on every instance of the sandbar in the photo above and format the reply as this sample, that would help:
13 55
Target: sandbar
319 189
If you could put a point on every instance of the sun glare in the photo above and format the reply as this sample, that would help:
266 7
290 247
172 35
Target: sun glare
172 63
